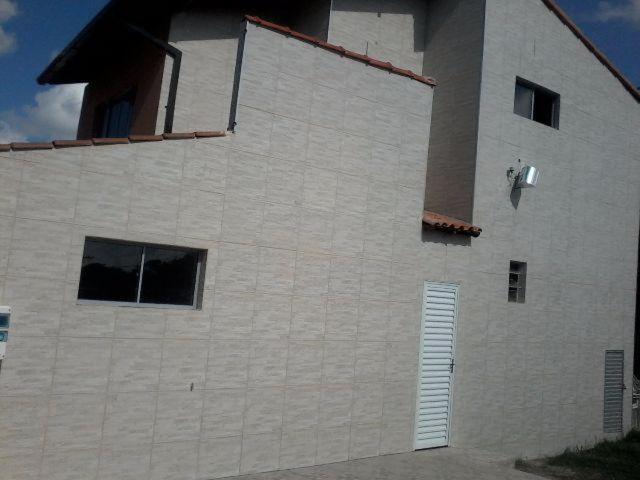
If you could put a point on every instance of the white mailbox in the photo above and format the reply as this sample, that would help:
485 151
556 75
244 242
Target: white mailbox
5 317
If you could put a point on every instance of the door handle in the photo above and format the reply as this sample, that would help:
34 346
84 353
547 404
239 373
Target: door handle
452 365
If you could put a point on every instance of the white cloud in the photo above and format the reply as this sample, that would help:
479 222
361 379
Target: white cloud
629 11
8 10
53 115
8 41
8 134
54 112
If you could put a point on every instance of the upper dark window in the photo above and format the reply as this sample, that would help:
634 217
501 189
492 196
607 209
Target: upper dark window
517 282
537 103
114 119
114 271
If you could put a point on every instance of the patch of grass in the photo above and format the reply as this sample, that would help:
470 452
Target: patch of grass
619 460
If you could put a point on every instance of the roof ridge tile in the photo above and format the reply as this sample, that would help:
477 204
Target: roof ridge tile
72 143
64 144
19 146
179 136
211 134
110 141
145 138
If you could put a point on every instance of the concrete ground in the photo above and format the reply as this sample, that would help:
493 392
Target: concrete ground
442 464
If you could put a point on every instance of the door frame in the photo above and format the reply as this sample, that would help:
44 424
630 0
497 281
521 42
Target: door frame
455 286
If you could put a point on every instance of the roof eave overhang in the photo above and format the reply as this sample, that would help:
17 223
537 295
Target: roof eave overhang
47 76
106 28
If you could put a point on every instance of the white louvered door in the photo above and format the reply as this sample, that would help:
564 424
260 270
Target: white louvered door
437 361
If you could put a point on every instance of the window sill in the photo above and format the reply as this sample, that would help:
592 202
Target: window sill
102 303
535 122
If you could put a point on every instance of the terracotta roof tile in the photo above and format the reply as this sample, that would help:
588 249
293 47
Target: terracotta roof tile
213 134
110 141
31 146
450 224
341 50
61 144
564 18
72 143
179 136
145 138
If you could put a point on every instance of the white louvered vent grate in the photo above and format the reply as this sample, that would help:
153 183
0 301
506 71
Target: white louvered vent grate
613 391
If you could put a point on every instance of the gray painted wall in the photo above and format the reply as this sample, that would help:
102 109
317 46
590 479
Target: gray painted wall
208 38
305 349
453 55
531 376
389 30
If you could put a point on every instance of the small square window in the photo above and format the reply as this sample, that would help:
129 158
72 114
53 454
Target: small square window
517 282
131 273
537 103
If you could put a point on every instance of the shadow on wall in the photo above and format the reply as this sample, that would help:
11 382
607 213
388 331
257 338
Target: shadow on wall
211 22
416 7
453 153
433 236
516 195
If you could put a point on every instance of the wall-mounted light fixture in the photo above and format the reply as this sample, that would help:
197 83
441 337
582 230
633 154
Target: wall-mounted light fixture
528 177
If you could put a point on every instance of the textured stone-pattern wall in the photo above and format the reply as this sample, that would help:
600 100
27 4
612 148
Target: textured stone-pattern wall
530 379
208 37
388 30
305 350
346 148
453 55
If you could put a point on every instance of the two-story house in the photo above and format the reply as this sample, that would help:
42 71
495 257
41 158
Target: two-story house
276 246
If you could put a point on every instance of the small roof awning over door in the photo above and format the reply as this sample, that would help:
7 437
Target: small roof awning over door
444 223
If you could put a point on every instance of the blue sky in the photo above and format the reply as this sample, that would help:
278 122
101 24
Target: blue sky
33 31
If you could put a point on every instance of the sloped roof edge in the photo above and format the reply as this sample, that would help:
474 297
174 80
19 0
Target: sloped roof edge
340 50
77 42
115 13
564 18
61 59
96 142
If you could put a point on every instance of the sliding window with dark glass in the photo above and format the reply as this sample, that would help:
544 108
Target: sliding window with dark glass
537 103
129 273
169 276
